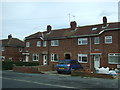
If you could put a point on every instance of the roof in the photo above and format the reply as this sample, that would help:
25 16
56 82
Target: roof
78 32
12 42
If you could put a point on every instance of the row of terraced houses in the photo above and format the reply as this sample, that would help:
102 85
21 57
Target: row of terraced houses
92 45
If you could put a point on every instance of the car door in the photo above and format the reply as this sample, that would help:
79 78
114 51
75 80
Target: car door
73 65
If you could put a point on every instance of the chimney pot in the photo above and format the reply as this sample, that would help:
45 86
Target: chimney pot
73 24
49 28
9 36
104 21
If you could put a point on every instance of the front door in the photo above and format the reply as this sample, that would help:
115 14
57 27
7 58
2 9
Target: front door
44 59
26 58
96 61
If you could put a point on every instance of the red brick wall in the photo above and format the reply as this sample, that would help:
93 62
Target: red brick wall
71 46
12 52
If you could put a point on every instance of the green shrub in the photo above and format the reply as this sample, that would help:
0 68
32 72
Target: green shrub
8 65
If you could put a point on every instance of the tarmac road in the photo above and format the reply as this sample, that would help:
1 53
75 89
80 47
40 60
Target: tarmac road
12 79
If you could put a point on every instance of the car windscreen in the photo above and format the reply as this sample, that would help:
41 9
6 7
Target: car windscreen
63 62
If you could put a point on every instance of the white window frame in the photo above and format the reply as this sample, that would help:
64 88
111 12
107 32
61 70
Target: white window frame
114 55
35 55
27 44
38 44
81 56
53 57
80 41
96 40
108 37
20 49
54 42
44 43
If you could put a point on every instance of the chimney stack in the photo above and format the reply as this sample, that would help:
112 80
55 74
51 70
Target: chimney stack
9 36
104 21
73 25
49 28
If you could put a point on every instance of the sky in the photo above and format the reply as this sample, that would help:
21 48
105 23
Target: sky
22 19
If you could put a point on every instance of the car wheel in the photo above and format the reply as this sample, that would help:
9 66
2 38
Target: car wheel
59 72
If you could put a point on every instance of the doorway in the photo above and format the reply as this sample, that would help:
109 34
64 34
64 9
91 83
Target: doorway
67 56
96 61
44 59
27 58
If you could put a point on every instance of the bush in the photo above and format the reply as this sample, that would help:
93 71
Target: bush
8 65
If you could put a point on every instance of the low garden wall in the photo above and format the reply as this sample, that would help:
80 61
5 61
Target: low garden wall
8 65
33 69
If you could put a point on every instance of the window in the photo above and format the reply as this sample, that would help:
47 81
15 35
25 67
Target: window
54 57
38 43
20 49
35 57
95 28
114 58
27 44
82 41
2 48
10 59
82 58
96 40
108 39
44 43
54 43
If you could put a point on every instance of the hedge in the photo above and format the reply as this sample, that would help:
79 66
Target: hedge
8 65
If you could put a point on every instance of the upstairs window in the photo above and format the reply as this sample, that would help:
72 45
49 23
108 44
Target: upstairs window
44 43
108 39
54 57
54 43
96 40
82 58
35 57
2 48
38 43
27 44
82 41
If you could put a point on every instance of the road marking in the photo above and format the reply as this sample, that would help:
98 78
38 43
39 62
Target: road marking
37 83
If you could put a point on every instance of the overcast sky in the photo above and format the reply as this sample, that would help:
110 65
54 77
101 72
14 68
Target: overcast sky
25 18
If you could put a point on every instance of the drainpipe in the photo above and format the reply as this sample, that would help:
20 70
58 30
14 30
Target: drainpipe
90 55
48 52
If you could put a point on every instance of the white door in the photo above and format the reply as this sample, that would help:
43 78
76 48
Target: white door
26 58
96 61
44 59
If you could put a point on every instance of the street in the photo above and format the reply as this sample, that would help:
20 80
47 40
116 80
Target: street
12 79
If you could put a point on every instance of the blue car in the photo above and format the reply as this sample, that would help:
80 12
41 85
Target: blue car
65 66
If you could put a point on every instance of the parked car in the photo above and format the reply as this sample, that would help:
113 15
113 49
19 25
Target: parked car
67 65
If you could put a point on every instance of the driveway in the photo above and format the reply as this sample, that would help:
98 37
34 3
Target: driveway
24 80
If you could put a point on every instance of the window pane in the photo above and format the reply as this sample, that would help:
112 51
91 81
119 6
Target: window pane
38 43
114 59
55 57
84 59
96 40
108 39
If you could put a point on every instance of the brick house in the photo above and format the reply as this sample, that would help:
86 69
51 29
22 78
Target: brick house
93 45
11 49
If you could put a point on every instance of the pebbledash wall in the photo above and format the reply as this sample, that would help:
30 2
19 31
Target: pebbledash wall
93 46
